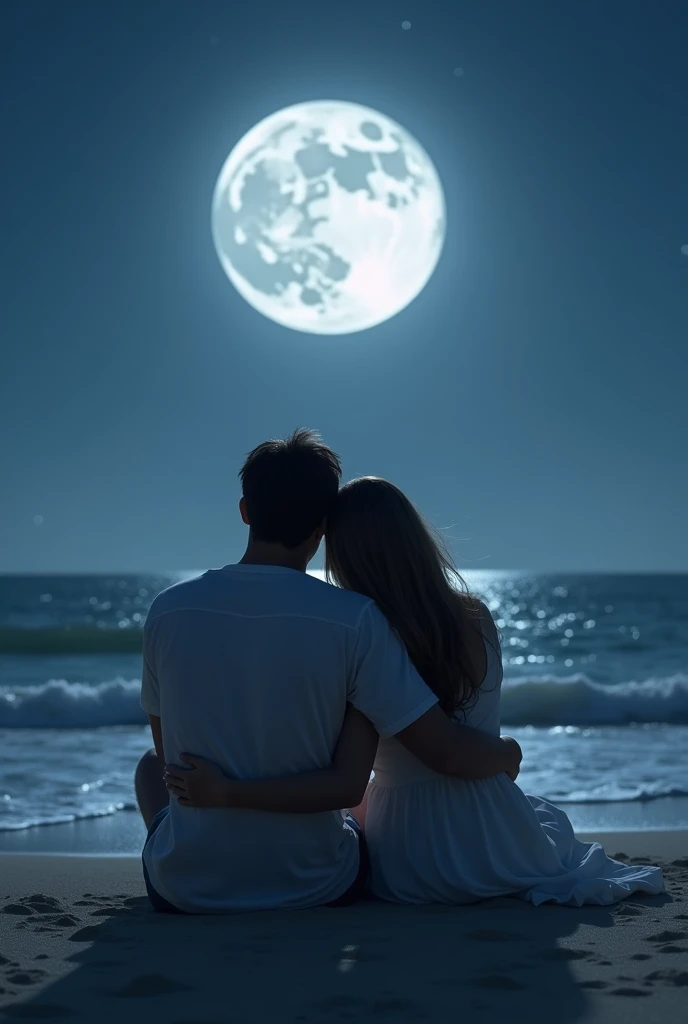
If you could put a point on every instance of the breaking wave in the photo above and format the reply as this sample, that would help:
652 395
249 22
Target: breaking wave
547 701
577 700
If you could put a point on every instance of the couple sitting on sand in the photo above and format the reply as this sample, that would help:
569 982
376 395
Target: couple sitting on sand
272 695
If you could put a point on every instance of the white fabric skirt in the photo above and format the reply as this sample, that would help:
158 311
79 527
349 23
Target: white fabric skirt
450 841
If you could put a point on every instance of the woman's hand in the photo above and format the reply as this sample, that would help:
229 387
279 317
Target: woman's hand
202 784
515 756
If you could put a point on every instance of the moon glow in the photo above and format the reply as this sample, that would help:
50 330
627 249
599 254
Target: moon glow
328 217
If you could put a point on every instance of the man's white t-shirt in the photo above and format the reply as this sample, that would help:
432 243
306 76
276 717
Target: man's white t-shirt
252 667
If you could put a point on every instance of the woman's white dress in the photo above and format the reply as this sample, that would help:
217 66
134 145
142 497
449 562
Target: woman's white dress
434 839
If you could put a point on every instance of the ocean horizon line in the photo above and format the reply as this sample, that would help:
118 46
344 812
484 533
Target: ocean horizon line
184 573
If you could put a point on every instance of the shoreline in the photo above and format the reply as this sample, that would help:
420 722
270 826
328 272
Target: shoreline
123 832
662 844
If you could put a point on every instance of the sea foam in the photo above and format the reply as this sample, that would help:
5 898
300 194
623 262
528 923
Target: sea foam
544 701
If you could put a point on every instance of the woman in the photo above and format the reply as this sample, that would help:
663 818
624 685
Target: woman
432 839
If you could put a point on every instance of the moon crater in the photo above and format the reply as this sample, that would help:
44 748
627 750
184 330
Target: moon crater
328 217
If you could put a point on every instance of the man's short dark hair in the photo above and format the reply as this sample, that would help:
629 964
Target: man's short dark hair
289 487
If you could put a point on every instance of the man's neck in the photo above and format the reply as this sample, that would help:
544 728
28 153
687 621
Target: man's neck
274 554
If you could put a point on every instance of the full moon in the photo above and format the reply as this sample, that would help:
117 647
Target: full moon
328 217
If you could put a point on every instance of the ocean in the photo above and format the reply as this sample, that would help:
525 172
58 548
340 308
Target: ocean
596 692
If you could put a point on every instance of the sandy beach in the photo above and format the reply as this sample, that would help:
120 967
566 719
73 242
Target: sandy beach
78 940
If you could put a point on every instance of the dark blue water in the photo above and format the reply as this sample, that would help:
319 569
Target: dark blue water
596 687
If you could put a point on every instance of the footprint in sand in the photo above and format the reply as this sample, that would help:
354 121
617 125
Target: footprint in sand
670 977
50 921
593 984
95 901
42 904
629 992
47 913
91 933
666 936
640 956
26 977
150 985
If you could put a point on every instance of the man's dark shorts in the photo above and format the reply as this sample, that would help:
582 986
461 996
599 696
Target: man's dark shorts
355 892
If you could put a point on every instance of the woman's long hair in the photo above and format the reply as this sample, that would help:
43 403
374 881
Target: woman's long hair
379 545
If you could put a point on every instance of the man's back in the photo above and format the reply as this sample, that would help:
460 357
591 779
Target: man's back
252 666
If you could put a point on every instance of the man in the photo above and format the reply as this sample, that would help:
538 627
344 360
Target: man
252 666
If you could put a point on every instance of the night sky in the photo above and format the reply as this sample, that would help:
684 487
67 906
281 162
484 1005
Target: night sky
532 400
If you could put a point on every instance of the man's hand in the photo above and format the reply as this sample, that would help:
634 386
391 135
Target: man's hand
515 756
201 784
